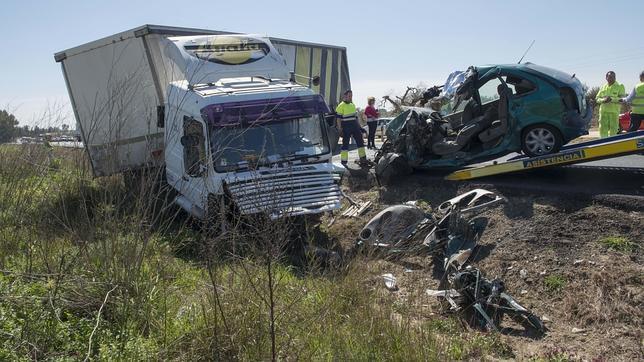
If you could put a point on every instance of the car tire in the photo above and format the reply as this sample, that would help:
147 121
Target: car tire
540 140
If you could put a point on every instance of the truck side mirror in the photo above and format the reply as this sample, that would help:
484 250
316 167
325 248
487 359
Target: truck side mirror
330 119
160 116
189 140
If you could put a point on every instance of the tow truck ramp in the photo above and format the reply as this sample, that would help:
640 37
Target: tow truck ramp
625 144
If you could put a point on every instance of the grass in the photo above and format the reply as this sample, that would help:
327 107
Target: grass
618 243
554 282
89 268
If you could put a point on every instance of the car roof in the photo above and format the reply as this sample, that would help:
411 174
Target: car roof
532 68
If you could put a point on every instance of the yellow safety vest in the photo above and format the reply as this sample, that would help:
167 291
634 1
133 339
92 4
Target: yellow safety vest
346 111
637 103
615 92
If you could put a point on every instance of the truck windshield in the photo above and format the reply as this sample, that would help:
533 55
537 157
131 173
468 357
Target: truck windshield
238 147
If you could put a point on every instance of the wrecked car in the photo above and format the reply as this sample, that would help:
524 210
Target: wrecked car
492 111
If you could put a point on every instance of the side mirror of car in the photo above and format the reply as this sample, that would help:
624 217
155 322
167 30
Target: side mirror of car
316 80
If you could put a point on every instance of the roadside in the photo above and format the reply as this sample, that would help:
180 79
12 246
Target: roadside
575 262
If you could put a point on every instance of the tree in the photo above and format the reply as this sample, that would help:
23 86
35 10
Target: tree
8 123
411 97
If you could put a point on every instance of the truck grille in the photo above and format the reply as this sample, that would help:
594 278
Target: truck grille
295 191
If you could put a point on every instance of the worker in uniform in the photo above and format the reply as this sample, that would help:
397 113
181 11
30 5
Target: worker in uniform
347 114
372 122
608 98
636 101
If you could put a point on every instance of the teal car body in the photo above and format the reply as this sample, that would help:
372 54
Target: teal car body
541 100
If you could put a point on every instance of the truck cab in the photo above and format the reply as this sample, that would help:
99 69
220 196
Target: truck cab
257 142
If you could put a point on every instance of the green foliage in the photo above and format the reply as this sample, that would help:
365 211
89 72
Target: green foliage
555 282
8 124
84 258
619 243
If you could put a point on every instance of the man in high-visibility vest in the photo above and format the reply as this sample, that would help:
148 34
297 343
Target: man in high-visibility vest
608 98
347 114
636 100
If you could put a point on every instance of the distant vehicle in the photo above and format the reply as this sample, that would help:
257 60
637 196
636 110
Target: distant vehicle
382 126
535 110
625 122
236 121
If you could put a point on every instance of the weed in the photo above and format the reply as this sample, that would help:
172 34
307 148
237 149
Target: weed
554 282
85 258
619 243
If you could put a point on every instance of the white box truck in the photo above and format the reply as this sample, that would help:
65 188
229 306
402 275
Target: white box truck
233 118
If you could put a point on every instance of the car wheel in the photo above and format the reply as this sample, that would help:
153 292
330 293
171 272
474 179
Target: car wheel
539 140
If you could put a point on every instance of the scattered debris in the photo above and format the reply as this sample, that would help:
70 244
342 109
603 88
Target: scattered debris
394 226
390 282
578 330
483 302
453 232
578 261
356 209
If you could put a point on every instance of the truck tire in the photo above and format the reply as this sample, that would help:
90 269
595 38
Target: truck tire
540 140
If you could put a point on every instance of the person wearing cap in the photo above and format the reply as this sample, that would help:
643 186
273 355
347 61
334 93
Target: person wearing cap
372 122
608 98
636 101
347 113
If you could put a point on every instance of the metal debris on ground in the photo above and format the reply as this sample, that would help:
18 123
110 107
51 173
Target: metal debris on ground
390 282
398 229
356 208
483 303
452 230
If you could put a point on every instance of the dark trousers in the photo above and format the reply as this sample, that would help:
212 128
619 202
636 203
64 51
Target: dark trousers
351 129
371 138
636 121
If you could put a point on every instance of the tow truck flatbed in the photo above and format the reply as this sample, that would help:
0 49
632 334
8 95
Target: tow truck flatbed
620 145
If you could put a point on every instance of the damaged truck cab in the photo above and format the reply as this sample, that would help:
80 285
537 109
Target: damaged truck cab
495 110
260 143
220 114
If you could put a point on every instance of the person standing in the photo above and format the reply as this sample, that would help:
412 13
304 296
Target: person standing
636 100
347 114
372 122
608 98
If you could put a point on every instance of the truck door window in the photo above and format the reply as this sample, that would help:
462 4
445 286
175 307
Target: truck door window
194 152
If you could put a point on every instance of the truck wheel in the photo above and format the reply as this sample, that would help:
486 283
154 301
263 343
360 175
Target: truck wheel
539 140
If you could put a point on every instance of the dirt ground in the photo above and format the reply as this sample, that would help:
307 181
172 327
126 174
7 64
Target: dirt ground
551 251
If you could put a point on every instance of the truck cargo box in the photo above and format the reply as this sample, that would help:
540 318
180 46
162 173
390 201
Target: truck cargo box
117 83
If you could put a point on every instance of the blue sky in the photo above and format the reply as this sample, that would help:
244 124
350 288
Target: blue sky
390 45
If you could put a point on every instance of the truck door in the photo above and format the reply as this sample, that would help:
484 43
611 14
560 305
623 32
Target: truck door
195 161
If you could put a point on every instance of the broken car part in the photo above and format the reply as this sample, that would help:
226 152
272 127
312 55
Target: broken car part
483 302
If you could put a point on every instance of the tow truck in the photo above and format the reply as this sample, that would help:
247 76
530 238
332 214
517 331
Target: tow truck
610 147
